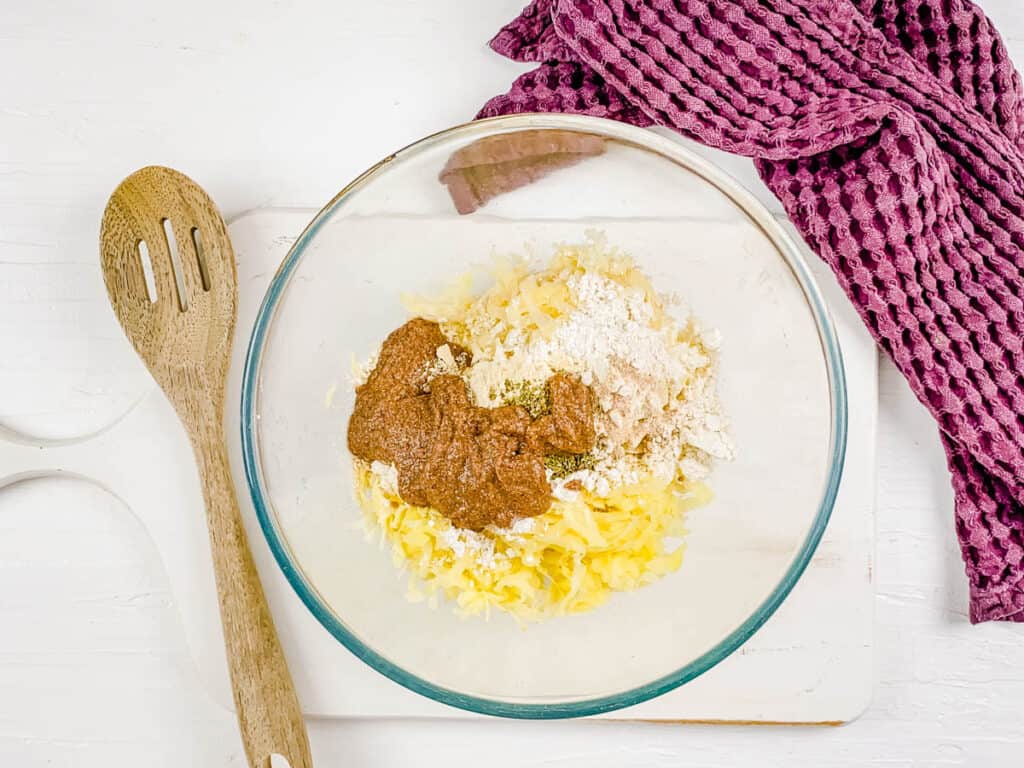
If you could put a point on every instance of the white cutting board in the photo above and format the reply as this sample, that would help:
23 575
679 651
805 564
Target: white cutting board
811 663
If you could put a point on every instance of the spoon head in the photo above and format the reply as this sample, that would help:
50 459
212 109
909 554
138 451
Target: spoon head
170 273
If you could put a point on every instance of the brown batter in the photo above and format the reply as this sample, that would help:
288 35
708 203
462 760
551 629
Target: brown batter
478 466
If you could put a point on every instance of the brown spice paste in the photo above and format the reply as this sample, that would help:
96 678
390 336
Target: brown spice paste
478 466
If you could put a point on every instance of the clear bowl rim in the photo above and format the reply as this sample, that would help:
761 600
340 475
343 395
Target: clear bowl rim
745 201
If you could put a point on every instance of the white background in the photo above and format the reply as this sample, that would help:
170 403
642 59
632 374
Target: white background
275 104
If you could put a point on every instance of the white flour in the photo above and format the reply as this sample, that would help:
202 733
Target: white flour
387 476
462 540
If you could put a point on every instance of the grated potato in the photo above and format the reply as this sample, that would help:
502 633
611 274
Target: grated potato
575 556
589 543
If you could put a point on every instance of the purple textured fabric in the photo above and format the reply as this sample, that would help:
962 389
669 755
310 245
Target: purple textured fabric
891 132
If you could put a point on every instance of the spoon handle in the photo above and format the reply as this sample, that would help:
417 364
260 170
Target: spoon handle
268 709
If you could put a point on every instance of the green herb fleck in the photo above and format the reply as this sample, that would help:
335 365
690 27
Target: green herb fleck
564 464
528 393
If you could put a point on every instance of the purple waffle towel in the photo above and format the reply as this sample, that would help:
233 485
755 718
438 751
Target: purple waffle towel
891 130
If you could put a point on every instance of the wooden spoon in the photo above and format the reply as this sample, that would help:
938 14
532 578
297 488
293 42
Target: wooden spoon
183 334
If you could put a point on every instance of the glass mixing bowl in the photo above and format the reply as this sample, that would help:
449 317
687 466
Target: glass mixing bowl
698 234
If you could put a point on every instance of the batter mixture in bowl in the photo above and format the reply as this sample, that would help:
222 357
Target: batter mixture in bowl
534 448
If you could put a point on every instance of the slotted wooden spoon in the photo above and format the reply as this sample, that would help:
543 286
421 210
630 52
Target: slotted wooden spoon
183 334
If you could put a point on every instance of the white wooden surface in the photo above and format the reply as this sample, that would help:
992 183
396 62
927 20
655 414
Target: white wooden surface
277 103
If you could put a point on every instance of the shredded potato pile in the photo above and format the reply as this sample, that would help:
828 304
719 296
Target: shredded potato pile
586 546
576 555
